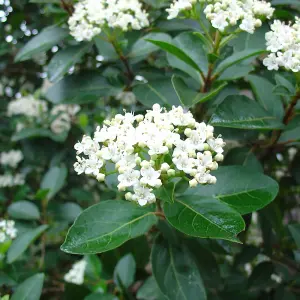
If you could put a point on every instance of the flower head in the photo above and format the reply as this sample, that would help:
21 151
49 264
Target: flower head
139 146
76 274
7 230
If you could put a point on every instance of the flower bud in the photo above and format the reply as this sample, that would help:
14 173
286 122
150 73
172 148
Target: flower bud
193 183
188 132
139 118
121 187
219 157
165 167
171 172
206 146
138 160
128 196
214 166
212 180
158 183
145 164
100 177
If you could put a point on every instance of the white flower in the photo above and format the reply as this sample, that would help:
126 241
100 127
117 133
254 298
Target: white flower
283 41
11 158
9 180
76 274
28 106
91 16
7 230
222 13
128 142
126 98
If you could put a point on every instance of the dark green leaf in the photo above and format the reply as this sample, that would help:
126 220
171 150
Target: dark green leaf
291 131
142 48
30 289
263 90
79 89
243 157
188 97
166 192
156 91
295 231
150 291
54 180
23 210
244 113
204 217
63 60
175 272
236 58
106 49
236 72
180 54
124 272
22 242
281 80
47 38
242 188
27 133
261 274
98 296
107 225
69 211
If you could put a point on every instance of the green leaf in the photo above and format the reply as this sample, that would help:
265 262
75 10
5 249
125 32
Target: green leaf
69 211
281 81
142 48
243 157
98 296
30 133
189 97
48 37
63 60
150 291
263 90
243 113
79 89
291 131
106 49
156 91
177 52
235 59
54 180
108 225
124 272
166 192
235 72
295 232
175 272
286 2
204 217
30 289
241 188
23 210
261 274
22 242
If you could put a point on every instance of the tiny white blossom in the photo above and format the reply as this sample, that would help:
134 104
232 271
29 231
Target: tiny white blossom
76 274
11 158
7 230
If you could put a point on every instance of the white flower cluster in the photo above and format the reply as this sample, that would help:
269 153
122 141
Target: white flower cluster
7 230
64 114
76 274
248 13
224 13
284 44
11 158
9 180
28 106
90 16
126 98
148 150
179 5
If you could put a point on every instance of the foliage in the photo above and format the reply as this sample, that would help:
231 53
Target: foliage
78 237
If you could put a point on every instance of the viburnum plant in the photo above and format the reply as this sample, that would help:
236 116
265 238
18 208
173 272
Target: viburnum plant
150 149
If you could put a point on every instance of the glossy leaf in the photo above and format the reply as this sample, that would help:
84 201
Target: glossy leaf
236 58
124 272
30 133
189 97
30 289
235 72
295 232
142 48
241 188
204 217
263 90
63 60
243 157
23 210
175 272
243 113
156 91
150 291
78 89
54 180
166 192
291 131
180 54
107 225
69 211
48 37
22 242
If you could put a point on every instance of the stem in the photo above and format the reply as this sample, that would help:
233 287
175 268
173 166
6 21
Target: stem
67 7
43 238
